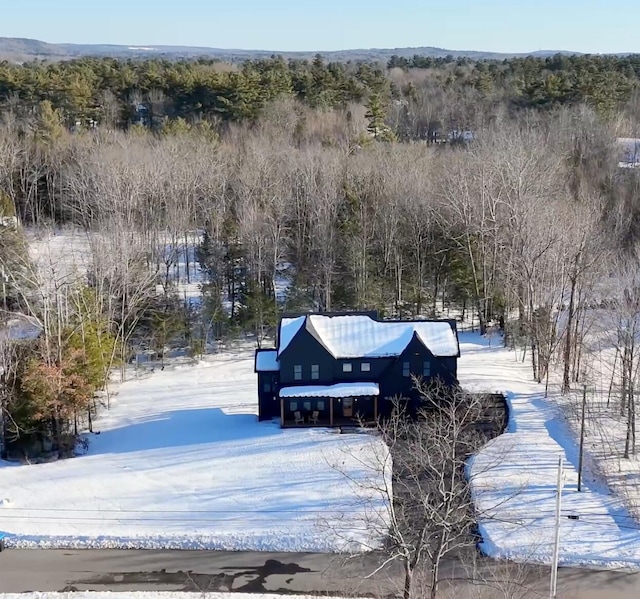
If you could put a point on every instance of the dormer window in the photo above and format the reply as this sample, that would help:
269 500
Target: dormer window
347 367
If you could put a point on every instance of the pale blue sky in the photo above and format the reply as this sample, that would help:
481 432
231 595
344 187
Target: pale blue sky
497 25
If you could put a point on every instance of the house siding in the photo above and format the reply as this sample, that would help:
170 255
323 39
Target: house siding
393 383
305 350
377 367
268 405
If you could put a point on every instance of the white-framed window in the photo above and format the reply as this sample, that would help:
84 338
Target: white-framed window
347 367
426 368
406 369
315 371
297 372
365 367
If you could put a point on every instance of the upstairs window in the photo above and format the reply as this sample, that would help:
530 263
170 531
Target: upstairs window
267 387
315 371
426 368
406 369
365 367
347 367
297 372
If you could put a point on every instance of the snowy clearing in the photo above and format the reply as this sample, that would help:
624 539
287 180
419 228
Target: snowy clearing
66 256
515 476
182 462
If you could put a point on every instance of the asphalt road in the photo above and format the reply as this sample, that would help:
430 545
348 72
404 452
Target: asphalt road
122 570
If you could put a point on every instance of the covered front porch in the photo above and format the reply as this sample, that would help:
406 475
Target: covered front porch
342 404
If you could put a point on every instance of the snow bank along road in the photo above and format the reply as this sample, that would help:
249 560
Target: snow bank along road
515 475
182 463
145 595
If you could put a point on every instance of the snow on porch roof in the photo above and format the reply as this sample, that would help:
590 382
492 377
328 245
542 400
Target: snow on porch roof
360 336
337 390
267 361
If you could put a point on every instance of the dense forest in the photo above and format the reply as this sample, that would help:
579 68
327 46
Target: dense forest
492 189
450 92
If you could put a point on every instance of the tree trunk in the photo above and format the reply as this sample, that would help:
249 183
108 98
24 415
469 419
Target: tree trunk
435 572
629 440
625 383
632 403
408 580
566 371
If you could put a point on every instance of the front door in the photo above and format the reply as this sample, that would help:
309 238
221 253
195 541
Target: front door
347 407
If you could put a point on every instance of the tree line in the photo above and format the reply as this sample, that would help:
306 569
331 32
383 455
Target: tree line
454 93
331 199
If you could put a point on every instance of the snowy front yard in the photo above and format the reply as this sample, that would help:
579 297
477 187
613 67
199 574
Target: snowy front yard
181 462
515 476
146 595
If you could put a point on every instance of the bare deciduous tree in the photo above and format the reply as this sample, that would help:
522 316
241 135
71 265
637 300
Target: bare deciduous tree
429 512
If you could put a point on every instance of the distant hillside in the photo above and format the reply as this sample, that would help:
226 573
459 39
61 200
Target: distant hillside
27 49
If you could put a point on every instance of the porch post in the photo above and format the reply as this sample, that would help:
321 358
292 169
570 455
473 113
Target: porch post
331 411
281 412
375 407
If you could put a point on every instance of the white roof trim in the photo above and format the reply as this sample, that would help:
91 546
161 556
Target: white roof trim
337 390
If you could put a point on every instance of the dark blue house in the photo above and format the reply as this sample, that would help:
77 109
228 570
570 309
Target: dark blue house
335 369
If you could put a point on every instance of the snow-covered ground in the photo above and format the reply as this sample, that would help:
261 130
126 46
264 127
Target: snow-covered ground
181 462
147 595
65 256
606 419
515 475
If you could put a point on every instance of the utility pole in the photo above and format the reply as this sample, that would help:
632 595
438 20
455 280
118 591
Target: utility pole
556 544
584 406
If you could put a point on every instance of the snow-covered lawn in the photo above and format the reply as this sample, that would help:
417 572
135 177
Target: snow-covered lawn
515 476
181 462
147 595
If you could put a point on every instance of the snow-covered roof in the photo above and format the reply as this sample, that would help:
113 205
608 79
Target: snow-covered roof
337 390
267 361
288 329
358 335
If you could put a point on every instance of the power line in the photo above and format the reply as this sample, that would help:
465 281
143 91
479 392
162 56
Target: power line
214 511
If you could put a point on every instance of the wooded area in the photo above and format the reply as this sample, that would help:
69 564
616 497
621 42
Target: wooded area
350 184
426 92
